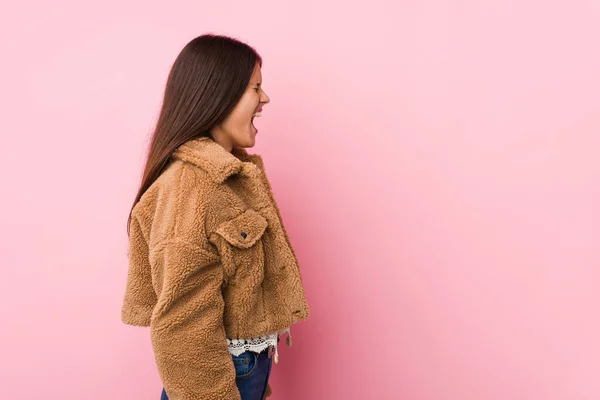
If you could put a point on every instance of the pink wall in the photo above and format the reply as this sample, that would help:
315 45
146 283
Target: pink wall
435 163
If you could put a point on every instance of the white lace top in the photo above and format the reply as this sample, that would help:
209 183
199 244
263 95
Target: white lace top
238 346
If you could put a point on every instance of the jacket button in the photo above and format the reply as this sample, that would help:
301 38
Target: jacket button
244 235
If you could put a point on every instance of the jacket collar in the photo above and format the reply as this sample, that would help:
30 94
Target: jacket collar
220 164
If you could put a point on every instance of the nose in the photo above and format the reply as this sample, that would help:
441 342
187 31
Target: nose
265 99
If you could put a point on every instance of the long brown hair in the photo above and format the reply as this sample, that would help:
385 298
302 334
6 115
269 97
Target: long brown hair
206 81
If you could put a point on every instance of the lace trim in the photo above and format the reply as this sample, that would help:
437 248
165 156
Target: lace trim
239 346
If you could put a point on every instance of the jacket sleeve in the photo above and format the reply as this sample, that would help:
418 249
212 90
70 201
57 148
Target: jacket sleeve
140 297
187 332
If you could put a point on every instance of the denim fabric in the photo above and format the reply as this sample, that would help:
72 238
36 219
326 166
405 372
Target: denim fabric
252 372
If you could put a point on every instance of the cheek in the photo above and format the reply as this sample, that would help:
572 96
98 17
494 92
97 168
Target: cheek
248 104
236 118
243 111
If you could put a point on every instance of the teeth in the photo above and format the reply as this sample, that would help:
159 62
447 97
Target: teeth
257 114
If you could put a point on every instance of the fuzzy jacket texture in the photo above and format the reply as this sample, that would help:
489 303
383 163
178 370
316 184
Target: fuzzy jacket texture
209 259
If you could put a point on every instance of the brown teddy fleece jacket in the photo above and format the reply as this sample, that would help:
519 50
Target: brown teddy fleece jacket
209 259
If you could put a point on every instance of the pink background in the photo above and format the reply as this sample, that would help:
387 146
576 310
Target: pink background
435 163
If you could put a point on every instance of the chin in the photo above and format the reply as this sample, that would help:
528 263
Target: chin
246 145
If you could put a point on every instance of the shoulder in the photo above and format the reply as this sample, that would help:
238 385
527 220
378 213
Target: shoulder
177 203
179 179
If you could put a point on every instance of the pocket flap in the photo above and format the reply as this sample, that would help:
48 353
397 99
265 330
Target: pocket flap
244 230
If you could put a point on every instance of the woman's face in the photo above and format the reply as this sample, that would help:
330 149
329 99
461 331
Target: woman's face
238 129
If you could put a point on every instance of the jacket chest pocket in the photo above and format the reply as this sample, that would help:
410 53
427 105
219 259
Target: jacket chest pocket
239 241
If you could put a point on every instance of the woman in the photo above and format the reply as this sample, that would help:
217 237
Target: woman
211 268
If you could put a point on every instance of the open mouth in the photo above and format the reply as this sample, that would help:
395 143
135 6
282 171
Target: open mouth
256 115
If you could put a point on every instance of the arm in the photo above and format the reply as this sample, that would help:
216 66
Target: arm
174 286
187 330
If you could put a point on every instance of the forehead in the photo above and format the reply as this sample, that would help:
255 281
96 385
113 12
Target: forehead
256 75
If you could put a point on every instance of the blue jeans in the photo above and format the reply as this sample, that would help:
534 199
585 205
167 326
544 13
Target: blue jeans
252 372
